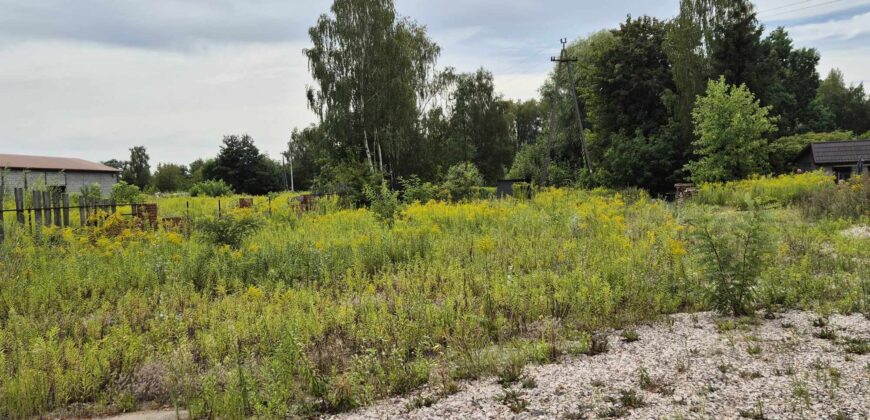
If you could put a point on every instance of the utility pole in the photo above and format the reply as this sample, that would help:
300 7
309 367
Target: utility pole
564 58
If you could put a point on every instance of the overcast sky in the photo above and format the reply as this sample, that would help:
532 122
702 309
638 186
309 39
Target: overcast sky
91 78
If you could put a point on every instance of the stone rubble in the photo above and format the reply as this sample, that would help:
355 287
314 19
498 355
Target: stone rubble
773 369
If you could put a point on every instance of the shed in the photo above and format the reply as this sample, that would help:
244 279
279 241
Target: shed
66 174
840 158
505 187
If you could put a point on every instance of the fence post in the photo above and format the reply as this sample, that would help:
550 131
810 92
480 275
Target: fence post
37 207
65 198
19 205
82 202
219 208
56 200
46 208
2 235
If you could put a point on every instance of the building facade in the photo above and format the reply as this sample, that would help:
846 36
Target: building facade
840 158
67 174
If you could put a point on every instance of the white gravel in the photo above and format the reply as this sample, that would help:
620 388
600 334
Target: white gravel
696 371
860 232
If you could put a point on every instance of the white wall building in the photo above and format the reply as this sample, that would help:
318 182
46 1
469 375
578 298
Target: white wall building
68 174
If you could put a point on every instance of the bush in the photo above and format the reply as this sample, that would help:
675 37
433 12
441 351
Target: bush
383 202
782 190
91 192
731 255
463 181
230 230
211 188
123 192
416 191
847 200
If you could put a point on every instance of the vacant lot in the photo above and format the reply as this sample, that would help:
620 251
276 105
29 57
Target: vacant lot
280 314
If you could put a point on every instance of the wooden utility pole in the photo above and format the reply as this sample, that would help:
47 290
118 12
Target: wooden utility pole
564 58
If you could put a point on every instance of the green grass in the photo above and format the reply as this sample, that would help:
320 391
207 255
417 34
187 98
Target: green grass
335 309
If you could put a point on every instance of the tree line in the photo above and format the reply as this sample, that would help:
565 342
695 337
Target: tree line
705 96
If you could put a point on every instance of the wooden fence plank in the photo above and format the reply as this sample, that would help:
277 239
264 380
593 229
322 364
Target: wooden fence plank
55 199
46 208
82 203
66 210
37 207
2 234
19 205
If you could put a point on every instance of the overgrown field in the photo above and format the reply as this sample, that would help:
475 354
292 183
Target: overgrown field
284 315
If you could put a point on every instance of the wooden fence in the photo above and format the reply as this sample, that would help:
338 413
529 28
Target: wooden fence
52 208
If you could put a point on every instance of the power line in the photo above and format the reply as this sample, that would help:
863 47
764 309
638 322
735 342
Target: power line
785 6
803 8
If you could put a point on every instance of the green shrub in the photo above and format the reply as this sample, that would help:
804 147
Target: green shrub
230 230
211 188
847 200
91 192
463 181
416 191
781 190
383 202
731 252
123 192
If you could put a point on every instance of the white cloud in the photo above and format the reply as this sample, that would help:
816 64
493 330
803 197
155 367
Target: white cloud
843 29
790 10
852 61
96 101
519 86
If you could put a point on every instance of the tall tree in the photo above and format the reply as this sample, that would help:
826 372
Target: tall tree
170 177
137 171
479 125
794 82
527 120
730 126
736 51
628 112
372 69
241 165
689 46
849 105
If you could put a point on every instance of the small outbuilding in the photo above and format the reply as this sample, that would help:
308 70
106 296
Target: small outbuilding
65 174
840 158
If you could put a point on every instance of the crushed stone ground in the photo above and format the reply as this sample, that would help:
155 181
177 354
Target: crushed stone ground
783 368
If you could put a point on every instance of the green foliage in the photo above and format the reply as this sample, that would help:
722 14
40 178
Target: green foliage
415 190
125 193
730 126
480 129
781 190
847 200
137 171
784 150
241 165
348 179
373 73
91 192
211 188
849 105
170 177
463 181
230 230
383 202
732 253
334 309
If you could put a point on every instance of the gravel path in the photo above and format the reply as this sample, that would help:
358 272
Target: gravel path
692 366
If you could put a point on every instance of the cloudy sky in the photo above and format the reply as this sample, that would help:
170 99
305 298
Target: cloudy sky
91 78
